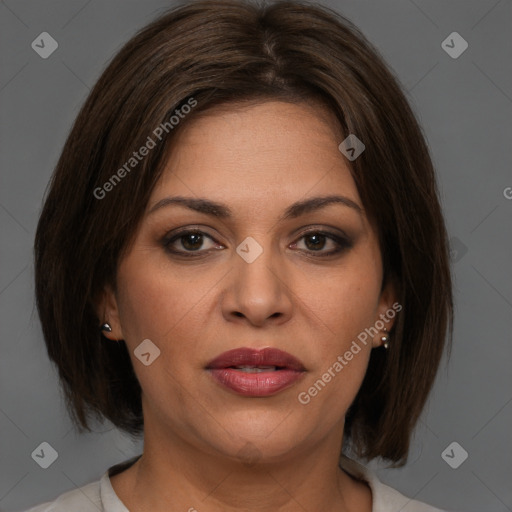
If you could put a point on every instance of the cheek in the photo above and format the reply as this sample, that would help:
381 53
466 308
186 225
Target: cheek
170 307
153 298
346 300
158 304
147 306
345 304
340 358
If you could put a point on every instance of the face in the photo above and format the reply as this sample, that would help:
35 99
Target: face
253 273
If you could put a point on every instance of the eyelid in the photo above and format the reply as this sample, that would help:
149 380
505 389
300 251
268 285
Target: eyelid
175 235
323 228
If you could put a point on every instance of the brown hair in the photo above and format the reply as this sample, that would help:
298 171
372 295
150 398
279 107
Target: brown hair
222 52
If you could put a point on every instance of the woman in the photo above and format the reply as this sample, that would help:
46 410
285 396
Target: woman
242 256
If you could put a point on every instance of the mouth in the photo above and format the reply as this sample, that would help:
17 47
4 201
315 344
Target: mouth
256 373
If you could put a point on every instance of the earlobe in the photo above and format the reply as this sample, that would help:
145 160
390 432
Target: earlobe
108 315
384 339
387 311
106 327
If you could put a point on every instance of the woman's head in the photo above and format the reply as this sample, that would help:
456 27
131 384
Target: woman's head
246 106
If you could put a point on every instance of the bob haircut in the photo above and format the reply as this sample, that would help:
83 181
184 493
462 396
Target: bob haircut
227 53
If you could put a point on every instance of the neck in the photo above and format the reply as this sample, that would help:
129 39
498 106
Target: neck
174 473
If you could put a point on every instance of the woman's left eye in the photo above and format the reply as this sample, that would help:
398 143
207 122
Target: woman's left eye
314 241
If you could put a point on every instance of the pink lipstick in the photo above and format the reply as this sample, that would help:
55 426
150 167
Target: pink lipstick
257 373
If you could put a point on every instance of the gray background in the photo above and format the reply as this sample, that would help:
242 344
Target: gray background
465 107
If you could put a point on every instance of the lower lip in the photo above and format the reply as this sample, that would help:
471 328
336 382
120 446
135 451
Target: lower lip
256 384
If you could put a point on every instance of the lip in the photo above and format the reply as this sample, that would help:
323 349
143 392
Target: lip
263 383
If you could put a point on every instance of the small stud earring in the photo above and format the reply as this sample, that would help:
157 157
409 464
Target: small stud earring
385 339
106 327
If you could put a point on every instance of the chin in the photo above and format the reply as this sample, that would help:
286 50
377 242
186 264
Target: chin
266 440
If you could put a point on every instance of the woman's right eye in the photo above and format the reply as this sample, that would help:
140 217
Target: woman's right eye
190 241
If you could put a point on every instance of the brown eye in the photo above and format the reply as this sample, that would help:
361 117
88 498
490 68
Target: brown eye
188 242
316 241
191 241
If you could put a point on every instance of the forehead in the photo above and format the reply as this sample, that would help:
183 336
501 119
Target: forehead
256 153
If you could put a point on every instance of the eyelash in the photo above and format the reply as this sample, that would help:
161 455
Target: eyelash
341 242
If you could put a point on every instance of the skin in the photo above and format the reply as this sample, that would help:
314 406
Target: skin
206 447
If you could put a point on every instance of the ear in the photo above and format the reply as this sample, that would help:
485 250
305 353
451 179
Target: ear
108 312
387 310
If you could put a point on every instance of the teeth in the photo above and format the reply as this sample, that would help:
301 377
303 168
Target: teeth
255 369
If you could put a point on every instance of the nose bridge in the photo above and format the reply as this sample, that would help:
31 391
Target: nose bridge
255 265
258 289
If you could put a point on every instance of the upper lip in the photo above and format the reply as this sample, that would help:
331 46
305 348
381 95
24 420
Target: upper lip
256 357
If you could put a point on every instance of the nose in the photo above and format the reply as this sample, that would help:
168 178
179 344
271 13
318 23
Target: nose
257 292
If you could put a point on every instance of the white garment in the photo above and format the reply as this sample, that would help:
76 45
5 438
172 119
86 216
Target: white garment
100 495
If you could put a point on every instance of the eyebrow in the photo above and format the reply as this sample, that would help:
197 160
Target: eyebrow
223 211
